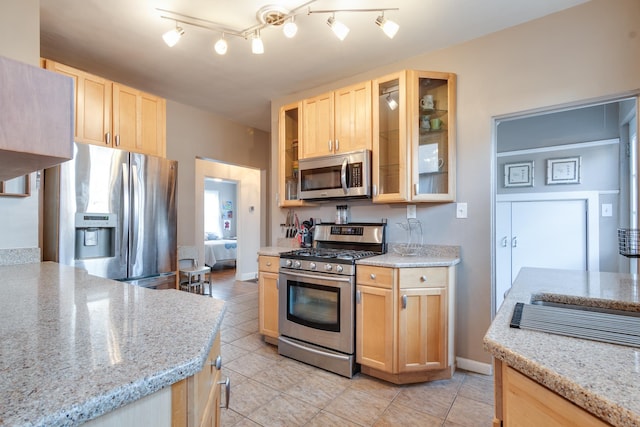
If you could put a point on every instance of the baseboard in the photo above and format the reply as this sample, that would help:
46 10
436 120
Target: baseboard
247 276
474 366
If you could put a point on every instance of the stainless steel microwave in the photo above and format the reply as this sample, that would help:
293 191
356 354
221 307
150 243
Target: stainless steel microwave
336 176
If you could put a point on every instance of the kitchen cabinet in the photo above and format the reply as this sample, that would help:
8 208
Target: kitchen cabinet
268 297
337 122
414 137
114 115
36 119
412 341
195 401
521 401
289 133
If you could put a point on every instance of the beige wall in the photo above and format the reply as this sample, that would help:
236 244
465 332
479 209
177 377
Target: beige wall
193 133
20 40
586 52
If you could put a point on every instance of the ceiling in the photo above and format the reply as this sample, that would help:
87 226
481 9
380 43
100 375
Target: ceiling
121 40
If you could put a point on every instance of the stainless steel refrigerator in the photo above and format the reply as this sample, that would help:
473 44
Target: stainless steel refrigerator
113 213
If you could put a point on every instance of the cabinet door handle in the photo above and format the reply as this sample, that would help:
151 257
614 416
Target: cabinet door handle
374 189
504 242
217 363
373 276
330 145
514 242
107 138
117 140
358 297
268 263
404 302
423 278
278 283
416 189
227 392
337 145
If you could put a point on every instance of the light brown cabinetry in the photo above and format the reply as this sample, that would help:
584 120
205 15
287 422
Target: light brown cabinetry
114 115
337 122
195 401
289 133
521 401
268 297
404 322
414 137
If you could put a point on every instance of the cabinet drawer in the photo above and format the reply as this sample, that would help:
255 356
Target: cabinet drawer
381 277
269 263
424 277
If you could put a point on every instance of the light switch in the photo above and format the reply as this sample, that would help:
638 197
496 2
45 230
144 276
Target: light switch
461 210
411 211
607 209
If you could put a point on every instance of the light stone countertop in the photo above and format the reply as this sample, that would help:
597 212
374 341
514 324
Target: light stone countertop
274 250
75 346
602 378
431 256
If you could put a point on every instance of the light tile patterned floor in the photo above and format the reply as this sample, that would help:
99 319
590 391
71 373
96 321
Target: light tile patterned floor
270 390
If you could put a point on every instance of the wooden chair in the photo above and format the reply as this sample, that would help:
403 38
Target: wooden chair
192 276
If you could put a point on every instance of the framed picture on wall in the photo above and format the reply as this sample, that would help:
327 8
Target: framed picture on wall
518 174
564 171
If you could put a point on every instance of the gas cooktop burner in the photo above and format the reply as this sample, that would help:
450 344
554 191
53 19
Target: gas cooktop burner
324 253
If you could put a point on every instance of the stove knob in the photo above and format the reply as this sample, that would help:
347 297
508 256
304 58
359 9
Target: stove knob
296 264
312 265
328 267
288 263
339 268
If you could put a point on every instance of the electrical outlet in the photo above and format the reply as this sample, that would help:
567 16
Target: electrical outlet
607 209
461 210
411 211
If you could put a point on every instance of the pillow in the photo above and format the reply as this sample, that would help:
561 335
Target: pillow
211 236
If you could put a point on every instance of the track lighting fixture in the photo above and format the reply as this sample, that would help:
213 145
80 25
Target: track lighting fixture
270 16
389 27
339 29
221 46
172 37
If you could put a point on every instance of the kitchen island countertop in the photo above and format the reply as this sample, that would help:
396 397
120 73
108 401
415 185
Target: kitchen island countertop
75 346
599 377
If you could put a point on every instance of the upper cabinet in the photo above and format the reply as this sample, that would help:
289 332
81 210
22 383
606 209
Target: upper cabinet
114 115
414 137
36 119
288 149
337 122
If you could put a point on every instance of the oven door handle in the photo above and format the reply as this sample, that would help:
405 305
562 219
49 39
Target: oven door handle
333 278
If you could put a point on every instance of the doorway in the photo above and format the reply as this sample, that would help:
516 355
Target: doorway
585 202
220 226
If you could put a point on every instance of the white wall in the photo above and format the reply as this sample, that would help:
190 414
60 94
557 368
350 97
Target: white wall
582 53
20 40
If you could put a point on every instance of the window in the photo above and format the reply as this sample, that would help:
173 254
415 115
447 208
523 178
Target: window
212 213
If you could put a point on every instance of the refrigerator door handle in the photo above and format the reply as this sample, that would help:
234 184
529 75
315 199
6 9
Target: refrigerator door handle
124 241
135 213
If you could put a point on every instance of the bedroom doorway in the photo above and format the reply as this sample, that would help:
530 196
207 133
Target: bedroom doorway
220 226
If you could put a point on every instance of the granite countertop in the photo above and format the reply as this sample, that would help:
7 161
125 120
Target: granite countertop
274 250
75 346
430 256
599 377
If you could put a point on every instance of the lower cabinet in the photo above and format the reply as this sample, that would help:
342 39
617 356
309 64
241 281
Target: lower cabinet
404 323
268 297
521 401
195 401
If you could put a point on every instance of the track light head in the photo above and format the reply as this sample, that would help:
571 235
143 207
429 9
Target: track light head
290 28
339 29
221 46
389 27
257 47
172 37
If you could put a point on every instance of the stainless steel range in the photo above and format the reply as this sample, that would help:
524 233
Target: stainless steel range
317 290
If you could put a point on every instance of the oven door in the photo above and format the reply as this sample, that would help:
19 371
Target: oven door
318 308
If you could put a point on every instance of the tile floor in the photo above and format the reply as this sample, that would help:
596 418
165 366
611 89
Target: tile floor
270 390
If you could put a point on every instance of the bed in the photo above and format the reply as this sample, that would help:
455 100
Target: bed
220 250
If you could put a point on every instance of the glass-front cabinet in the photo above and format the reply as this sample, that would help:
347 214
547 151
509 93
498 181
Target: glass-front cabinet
289 132
414 137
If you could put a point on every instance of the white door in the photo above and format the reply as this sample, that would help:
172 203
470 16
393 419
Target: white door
546 234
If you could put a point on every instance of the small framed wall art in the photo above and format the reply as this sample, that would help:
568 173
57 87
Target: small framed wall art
518 174
564 171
